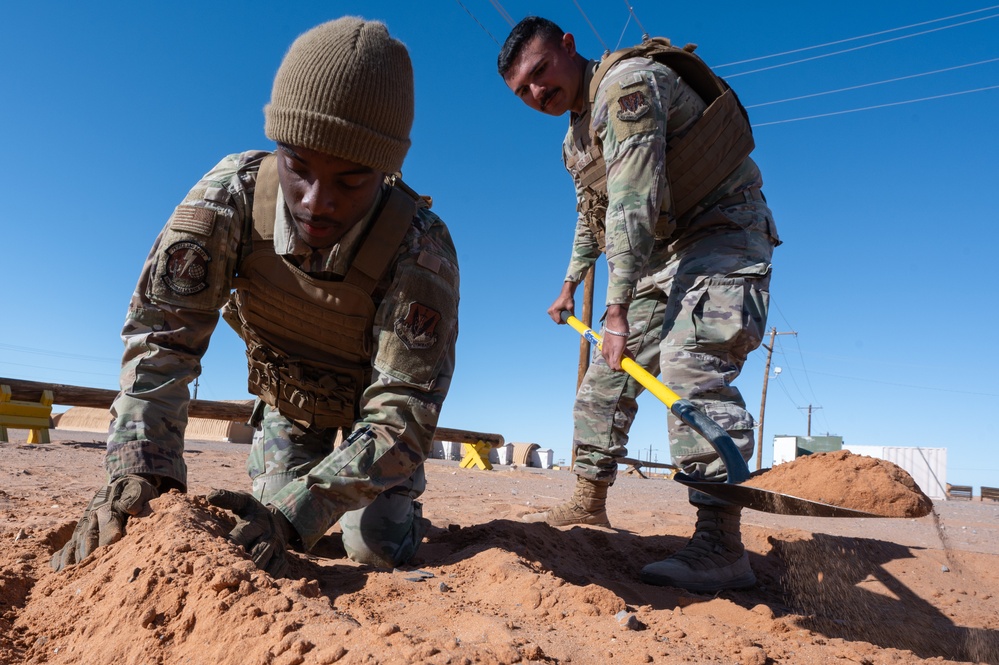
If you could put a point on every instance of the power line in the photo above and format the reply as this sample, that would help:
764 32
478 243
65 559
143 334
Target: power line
62 369
876 106
587 18
56 354
868 85
858 48
794 379
477 22
502 12
645 33
623 30
852 39
935 389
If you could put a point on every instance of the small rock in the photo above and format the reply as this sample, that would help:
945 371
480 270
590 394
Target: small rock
629 620
944 569
444 588
19 535
387 629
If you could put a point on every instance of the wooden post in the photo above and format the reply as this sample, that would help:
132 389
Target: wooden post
584 345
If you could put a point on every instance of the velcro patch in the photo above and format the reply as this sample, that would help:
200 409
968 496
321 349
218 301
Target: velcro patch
417 328
631 79
193 219
186 268
428 261
632 106
630 111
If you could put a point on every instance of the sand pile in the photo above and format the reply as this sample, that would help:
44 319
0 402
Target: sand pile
486 589
846 480
175 586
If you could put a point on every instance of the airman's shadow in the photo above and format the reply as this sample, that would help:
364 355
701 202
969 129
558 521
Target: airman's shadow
842 589
836 586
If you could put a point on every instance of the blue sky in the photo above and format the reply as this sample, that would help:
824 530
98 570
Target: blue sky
112 111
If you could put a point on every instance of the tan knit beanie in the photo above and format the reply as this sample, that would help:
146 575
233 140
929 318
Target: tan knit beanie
345 88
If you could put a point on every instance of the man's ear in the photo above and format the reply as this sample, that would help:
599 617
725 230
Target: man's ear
569 43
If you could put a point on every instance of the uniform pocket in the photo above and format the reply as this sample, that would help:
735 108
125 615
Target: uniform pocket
730 315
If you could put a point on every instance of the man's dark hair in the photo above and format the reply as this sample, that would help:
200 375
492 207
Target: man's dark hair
523 32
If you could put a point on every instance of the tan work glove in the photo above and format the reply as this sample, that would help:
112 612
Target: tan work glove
263 531
103 521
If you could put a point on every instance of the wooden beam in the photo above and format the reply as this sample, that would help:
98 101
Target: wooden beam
100 398
237 411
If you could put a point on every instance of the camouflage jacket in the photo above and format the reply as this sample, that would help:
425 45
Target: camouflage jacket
167 331
639 107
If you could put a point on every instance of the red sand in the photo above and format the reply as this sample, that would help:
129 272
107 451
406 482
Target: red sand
486 588
846 480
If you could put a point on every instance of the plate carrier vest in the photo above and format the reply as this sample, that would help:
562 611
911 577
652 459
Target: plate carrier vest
697 161
308 340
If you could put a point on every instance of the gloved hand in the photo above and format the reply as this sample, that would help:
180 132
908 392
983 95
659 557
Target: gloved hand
261 530
103 521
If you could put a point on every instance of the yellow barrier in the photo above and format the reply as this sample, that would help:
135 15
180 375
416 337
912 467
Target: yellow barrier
33 416
477 454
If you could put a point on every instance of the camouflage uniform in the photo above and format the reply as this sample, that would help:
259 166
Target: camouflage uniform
697 294
371 481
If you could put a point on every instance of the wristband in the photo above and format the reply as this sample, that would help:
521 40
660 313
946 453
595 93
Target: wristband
615 332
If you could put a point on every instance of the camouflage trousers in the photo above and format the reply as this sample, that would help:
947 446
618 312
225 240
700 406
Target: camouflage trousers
385 533
694 321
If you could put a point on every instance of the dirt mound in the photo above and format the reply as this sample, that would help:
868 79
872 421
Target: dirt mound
486 588
846 480
174 586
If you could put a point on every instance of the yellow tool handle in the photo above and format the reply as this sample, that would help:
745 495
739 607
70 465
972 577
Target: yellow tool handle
637 372
719 439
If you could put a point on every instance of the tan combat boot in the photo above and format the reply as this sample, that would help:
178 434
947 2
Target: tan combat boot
588 505
713 560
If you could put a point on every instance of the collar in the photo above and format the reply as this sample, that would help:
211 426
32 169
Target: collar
588 72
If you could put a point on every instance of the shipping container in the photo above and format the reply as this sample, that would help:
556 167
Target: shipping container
927 466
788 448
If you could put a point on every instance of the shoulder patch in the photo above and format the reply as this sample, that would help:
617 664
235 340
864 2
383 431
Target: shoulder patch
417 327
630 110
632 106
193 219
186 268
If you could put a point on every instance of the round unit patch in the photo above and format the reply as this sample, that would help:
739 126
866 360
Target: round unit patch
186 268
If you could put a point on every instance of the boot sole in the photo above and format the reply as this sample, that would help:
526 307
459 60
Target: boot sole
742 582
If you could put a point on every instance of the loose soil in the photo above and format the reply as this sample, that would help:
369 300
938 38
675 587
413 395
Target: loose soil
486 587
840 478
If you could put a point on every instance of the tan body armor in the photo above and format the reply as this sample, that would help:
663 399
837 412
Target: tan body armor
308 340
697 160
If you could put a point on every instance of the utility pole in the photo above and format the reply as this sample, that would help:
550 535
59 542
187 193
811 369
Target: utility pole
810 407
195 387
763 399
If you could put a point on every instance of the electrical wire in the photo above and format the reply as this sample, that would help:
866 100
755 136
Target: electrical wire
933 389
57 354
868 85
623 30
477 22
852 39
645 33
876 106
63 369
857 48
502 12
587 18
